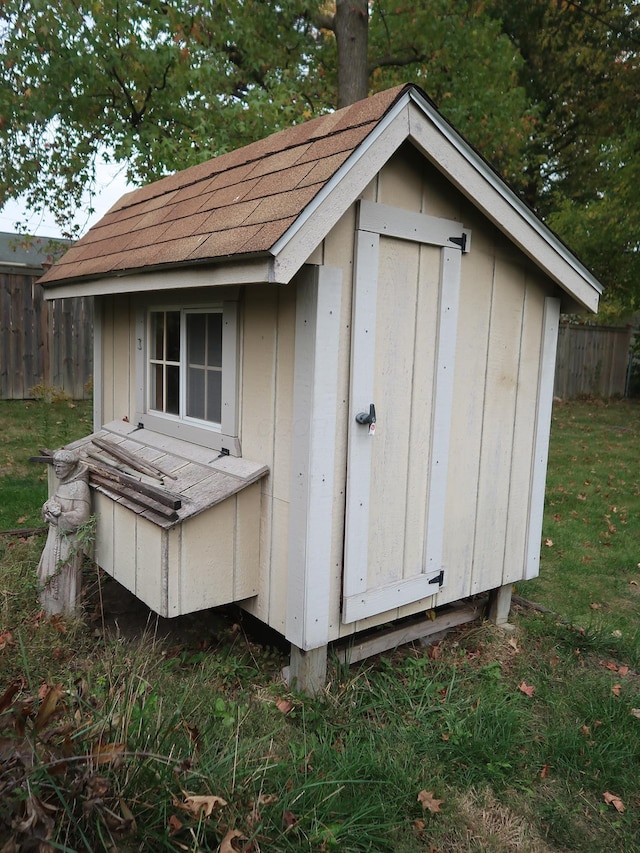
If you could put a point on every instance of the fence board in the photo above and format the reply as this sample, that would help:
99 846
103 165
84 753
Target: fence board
43 343
592 361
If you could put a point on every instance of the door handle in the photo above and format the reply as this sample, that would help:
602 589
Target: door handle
367 419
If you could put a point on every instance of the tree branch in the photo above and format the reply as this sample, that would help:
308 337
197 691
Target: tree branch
396 61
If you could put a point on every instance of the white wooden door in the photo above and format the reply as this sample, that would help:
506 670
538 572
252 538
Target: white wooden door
403 345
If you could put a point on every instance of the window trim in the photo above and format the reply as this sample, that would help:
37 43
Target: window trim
223 437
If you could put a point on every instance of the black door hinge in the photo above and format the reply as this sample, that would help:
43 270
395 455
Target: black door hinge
439 578
460 241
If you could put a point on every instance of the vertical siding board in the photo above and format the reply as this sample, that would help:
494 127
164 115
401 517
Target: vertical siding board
542 430
522 464
466 430
259 318
150 564
499 411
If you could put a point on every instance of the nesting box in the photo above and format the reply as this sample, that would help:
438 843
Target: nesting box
340 343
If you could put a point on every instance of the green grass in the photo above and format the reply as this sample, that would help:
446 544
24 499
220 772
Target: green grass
26 426
133 726
591 559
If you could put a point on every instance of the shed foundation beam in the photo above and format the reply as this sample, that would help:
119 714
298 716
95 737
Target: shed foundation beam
499 605
308 670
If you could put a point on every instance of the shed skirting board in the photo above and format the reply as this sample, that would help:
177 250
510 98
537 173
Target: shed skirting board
319 295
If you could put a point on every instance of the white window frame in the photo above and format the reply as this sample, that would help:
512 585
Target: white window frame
223 437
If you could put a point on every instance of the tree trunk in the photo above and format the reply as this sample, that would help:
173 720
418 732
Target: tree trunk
352 30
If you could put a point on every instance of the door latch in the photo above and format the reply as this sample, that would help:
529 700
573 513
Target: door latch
368 419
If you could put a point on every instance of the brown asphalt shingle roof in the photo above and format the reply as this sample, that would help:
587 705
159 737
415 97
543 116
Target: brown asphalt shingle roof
237 204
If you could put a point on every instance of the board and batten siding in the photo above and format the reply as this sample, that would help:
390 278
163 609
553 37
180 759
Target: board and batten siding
205 561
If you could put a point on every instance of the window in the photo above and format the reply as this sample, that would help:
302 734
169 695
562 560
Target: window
190 374
185 364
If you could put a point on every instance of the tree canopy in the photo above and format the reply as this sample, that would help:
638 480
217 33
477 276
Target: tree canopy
548 91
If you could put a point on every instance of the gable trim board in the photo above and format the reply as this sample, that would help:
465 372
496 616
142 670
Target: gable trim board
411 117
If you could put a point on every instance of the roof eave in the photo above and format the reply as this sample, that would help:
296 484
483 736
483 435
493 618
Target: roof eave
217 272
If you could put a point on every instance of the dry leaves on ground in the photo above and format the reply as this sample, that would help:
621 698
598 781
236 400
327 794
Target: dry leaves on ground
613 800
428 801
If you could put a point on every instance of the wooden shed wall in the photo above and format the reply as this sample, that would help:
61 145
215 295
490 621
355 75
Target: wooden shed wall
497 374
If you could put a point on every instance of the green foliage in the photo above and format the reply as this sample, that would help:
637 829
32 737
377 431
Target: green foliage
159 87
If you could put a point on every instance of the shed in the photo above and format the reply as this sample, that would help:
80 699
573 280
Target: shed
253 314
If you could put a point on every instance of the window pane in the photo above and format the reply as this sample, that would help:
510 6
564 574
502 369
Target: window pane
214 396
156 387
195 338
214 340
157 334
173 336
195 393
173 390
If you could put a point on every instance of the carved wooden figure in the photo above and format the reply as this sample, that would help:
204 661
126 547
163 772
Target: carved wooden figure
60 567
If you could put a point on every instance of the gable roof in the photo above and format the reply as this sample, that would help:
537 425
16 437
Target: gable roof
264 208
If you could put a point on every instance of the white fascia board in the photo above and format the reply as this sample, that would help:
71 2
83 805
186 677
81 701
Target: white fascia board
174 278
475 179
340 192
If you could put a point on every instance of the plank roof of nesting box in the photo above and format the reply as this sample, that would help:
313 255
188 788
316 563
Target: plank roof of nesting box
196 475
257 213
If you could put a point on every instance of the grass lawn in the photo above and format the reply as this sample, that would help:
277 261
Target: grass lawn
182 736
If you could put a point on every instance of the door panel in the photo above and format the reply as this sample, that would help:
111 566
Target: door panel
405 315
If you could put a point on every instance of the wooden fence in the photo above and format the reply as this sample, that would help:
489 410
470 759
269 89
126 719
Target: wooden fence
51 344
43 343
592 360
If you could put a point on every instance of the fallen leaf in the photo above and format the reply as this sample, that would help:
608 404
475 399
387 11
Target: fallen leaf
616 689
548 543
585 730
428 801
527 689
7 697
289 819
107 753
227 845
267 799
554 661
512 642
22 519
48 706
434 652
284 706
6 639
202 804
612 800
595 606
609 665
623 670
545 771
635 712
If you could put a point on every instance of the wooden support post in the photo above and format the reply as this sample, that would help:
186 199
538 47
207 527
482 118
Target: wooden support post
308 670
499 605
